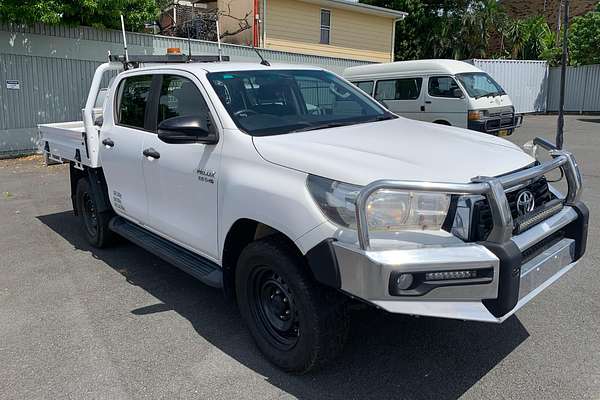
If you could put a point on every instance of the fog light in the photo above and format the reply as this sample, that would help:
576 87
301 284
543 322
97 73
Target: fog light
450 275
404 281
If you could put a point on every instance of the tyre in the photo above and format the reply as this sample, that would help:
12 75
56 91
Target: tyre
94 223
297 323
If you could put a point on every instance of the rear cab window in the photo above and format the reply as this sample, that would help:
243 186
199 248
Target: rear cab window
133 100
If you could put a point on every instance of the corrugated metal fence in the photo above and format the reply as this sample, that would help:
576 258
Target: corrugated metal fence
525 81
582 92
54 65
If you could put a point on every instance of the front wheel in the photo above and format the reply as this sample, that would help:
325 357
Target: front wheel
94 222
297 323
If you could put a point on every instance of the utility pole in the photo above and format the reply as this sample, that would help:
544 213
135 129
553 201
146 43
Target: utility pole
563 75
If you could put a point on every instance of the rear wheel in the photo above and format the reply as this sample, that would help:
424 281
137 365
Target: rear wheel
94 223
297 323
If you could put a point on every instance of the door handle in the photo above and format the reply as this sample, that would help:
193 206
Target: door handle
427 102
108 142
150 152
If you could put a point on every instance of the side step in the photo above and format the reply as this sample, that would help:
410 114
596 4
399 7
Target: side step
199 267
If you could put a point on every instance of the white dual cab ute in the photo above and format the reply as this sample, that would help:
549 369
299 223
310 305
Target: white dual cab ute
299 194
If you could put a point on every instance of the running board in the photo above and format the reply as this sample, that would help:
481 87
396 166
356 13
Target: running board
199 267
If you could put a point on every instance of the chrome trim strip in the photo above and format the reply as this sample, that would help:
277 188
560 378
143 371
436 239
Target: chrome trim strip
489 187
545 228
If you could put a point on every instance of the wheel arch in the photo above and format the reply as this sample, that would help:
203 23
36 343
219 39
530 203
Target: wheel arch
442 122
241 233
98 187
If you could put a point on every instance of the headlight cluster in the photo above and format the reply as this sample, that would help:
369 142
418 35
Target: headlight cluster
387 210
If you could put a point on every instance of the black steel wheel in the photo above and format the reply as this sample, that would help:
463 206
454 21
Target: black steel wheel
274 306
297 323
94 222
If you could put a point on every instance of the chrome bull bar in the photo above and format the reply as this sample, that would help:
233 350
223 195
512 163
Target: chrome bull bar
493 188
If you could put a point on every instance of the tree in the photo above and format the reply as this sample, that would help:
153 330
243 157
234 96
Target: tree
444 28
96 13
584 39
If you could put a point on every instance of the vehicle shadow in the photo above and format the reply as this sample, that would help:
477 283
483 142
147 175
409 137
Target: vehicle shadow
387 356
592 120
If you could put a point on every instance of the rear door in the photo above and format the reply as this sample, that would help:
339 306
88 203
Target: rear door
402 96
182 183
445 102
121 147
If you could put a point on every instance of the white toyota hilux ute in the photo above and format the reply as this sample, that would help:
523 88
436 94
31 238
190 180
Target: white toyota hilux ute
298 194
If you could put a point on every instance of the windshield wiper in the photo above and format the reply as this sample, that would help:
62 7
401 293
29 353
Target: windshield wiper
492 94
323 126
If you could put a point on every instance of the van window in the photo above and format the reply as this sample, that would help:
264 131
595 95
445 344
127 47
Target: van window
444 86
180 97
399 89
366 86
480 84
133 100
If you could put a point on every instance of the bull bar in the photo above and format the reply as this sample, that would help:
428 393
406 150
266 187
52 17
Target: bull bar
493 188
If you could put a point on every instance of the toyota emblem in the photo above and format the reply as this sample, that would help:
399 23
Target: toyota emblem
525 202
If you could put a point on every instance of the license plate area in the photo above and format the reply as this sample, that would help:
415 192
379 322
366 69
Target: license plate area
545 265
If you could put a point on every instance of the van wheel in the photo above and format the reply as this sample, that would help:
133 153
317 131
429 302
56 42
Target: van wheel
442 122
95 224
297 323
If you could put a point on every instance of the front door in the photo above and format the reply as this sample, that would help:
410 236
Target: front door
445 102
121 148
182 183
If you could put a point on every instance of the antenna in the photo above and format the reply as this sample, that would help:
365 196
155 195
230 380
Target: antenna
219 40
262 59
124 39
189 42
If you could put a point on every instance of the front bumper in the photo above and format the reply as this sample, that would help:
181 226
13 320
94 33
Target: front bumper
495 125
510 268
366 274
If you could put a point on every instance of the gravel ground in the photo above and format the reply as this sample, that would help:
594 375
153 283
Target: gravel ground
78 323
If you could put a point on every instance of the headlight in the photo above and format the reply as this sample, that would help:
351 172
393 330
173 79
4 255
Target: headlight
387 210
336 199
394 210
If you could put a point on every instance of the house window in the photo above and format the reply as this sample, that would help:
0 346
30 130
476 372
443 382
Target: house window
325 26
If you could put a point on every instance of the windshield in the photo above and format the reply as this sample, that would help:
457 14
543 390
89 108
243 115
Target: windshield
274 102
480 84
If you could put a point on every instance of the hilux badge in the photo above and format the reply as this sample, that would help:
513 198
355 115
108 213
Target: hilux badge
525 202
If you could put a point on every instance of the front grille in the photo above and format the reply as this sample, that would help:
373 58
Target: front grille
498 121
482 215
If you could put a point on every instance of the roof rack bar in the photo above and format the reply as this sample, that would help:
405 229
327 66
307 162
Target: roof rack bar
167 58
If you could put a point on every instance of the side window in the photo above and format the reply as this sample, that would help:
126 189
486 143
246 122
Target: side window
444 86
133 100
365 86
325 26
180 97
399 89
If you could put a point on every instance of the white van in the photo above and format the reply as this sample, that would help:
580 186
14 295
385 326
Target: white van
446 92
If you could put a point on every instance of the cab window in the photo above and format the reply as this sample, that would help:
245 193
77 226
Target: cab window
399 89
444 86
180 97
133 100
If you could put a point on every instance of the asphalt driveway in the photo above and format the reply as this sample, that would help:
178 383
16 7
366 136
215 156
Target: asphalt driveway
81 323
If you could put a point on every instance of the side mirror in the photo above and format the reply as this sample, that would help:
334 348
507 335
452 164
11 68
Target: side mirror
458 93
187 129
